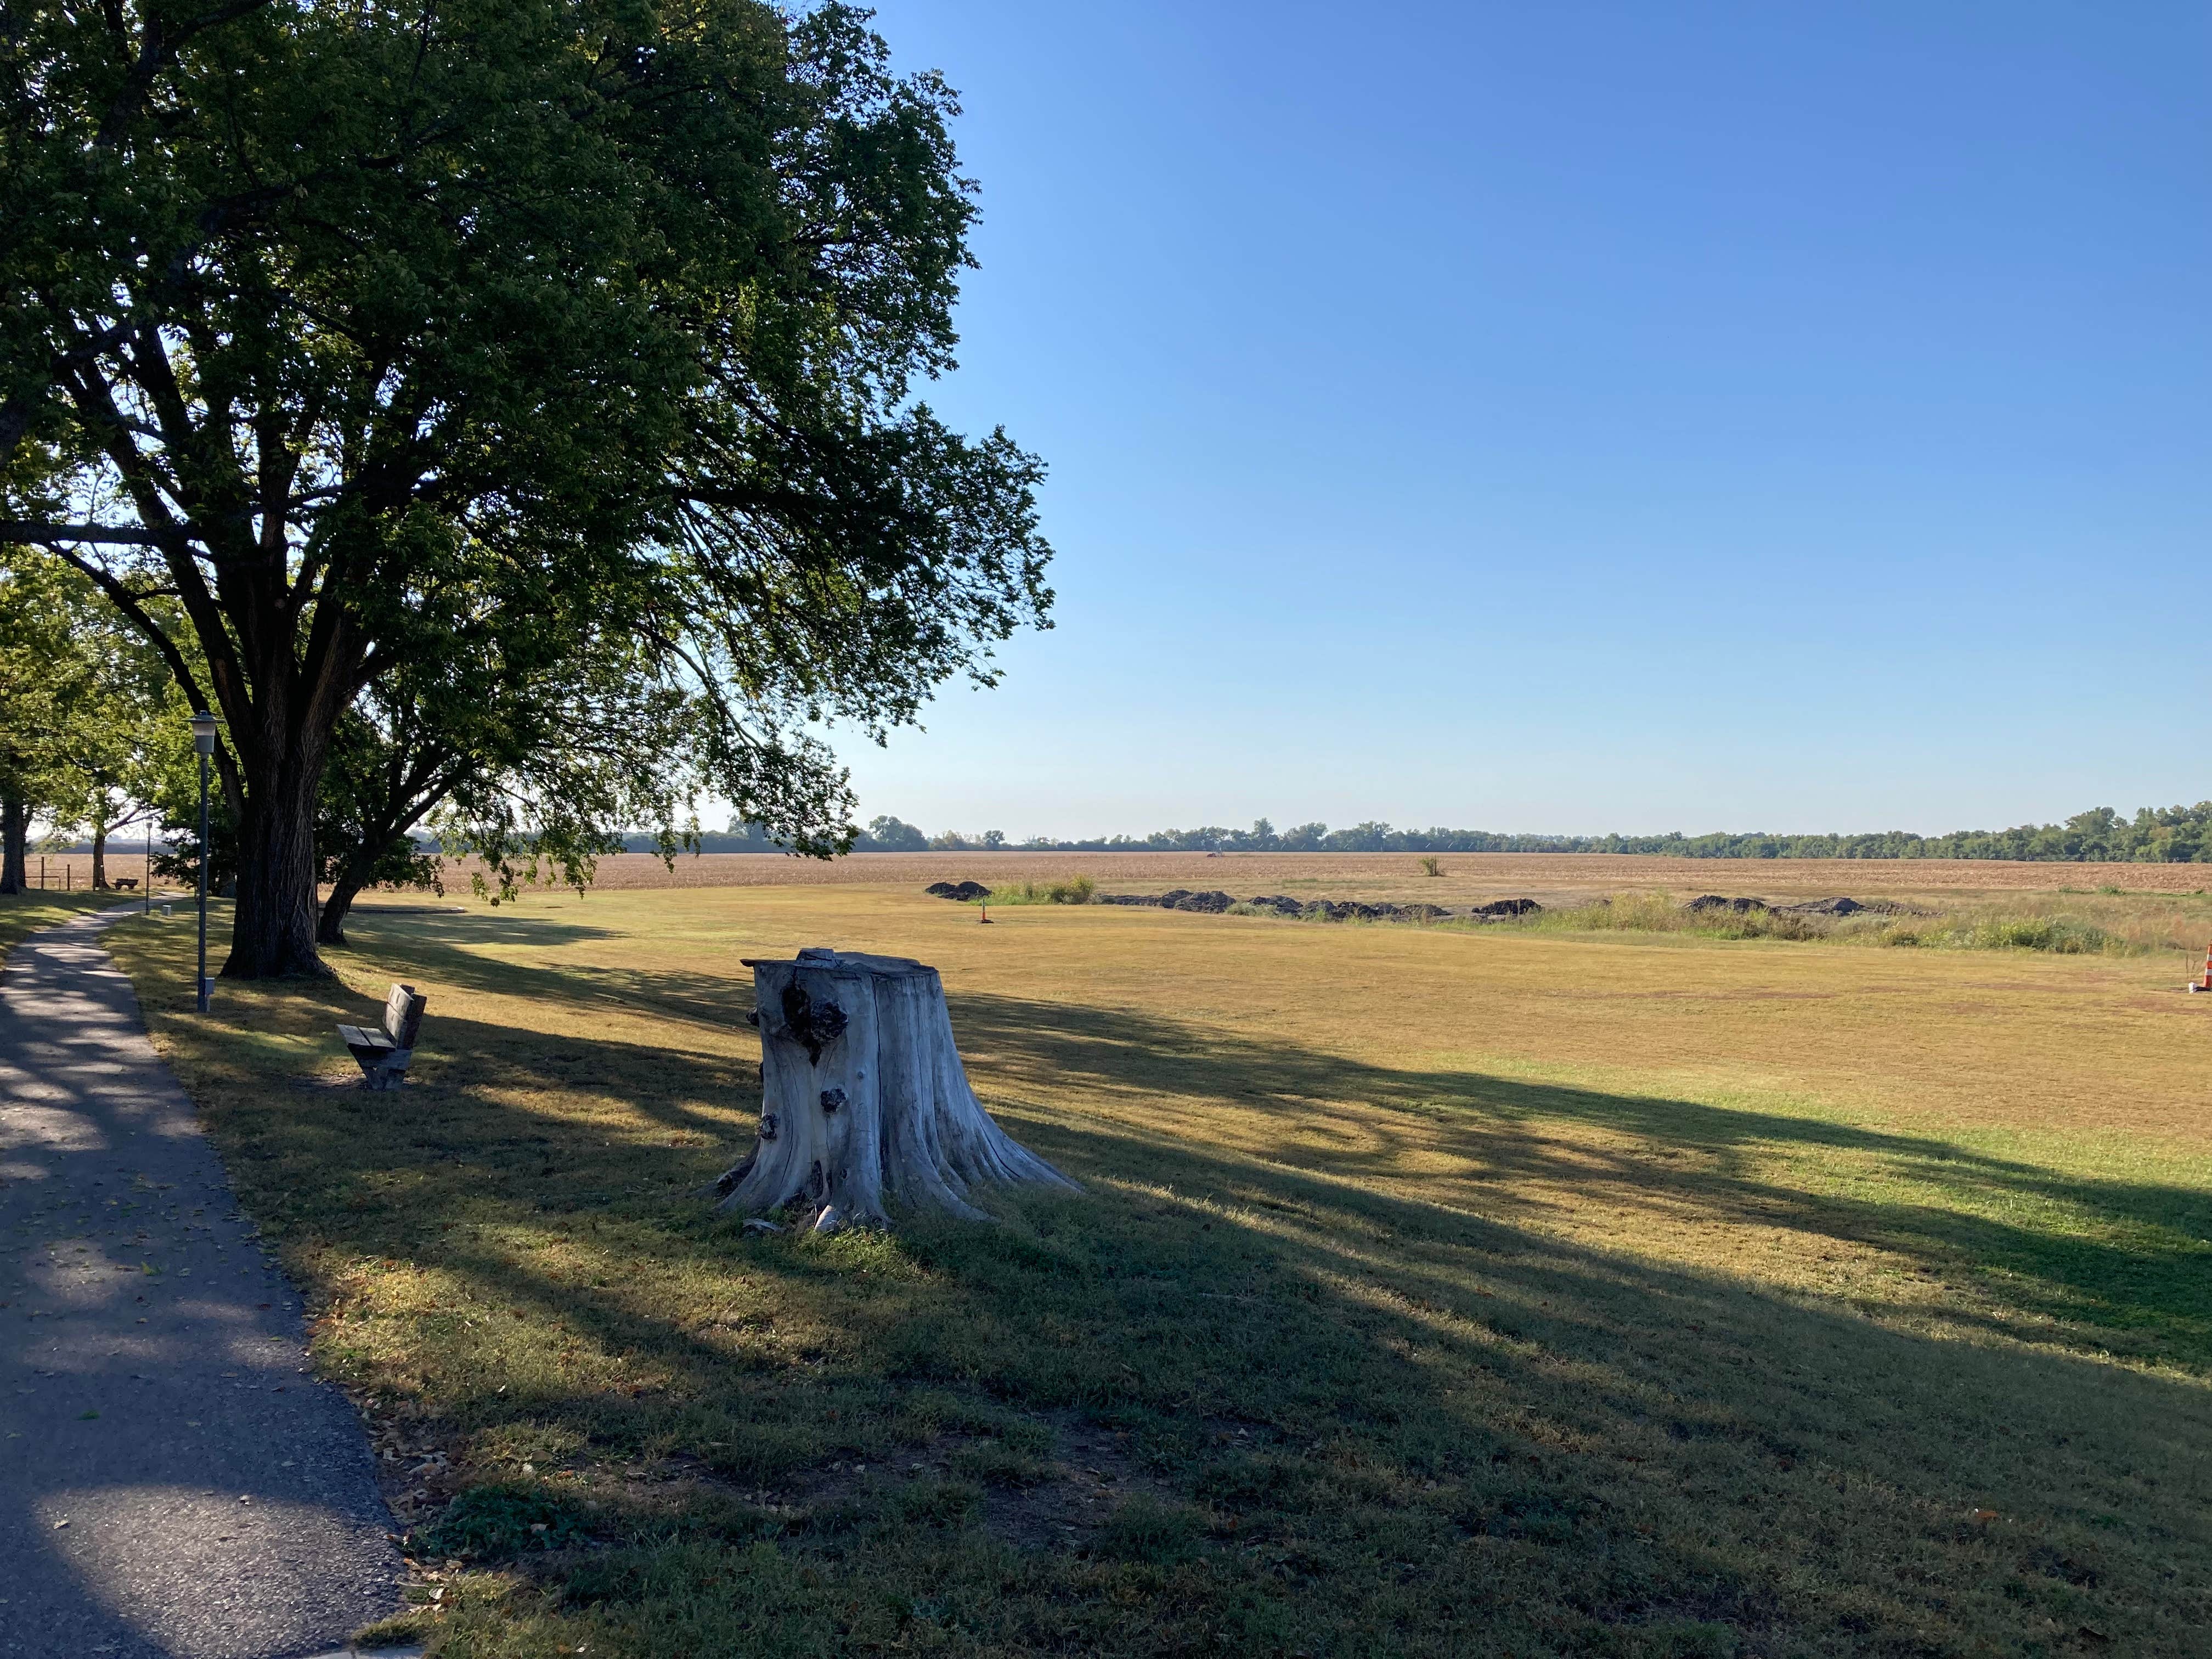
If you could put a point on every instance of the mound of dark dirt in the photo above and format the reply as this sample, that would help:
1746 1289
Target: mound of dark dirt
1715 901
1345 910
1178 898
1211 903
1514 907
1848 907
961 891
1282 905
1352 910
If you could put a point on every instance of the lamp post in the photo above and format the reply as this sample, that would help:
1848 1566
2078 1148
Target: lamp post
203 741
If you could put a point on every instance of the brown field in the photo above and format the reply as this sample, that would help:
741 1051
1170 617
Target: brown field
72 872
1467 876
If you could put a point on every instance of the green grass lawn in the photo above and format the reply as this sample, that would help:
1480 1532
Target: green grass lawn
27 913
1433 1293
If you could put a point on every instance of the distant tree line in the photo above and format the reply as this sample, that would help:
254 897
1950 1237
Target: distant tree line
2155 834
883 834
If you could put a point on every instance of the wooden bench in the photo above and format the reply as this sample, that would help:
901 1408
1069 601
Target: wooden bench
127 882
384 1055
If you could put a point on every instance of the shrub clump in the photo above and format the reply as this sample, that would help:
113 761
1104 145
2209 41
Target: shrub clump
1072 890
2065 935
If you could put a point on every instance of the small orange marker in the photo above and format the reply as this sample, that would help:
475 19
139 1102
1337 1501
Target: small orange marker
986 909
2205 984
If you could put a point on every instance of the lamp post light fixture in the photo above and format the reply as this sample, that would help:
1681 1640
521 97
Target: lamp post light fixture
203 741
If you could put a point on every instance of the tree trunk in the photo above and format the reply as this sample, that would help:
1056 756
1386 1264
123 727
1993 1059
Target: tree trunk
865 1105
272 931
330 927
15 843
100 857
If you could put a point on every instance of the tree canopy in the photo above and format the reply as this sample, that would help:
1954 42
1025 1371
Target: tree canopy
564 350
83 704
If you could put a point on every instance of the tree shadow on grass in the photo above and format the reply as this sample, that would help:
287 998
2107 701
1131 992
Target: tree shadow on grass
2102 1256
2109 1262
2101 1259
1396 1414
447 948
462 928
449 958
1355 1383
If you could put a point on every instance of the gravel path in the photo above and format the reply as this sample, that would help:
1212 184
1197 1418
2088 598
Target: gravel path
173 1483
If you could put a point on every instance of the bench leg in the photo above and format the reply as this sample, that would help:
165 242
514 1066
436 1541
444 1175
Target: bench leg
381 1068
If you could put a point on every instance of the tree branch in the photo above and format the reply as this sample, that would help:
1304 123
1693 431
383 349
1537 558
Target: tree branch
47 535
127 602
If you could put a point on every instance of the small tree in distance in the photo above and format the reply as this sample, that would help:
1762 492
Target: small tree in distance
889 835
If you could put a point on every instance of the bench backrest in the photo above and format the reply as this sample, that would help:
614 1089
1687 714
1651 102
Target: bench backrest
403 1015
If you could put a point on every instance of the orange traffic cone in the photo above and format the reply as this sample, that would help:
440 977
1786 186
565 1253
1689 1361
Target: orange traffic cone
986 909
2205 983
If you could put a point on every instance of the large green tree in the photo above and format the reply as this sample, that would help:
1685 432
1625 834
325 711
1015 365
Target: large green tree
119 723
533 738
45 679
343 322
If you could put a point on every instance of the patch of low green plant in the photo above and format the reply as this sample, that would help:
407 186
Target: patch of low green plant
938 1503
2065 936
2136 929
1659 912
501 1522
1071 890
2061 935
998 1465
1145 1530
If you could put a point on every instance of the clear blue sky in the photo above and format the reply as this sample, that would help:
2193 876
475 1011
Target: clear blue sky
1576 418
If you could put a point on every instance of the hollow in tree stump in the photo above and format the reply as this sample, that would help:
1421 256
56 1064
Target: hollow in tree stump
865 1105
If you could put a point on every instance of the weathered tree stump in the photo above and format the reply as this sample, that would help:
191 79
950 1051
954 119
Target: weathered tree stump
865 1105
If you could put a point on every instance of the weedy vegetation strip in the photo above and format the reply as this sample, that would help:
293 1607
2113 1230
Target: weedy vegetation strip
1611 1295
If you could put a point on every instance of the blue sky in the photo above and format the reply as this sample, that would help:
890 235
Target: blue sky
1580 418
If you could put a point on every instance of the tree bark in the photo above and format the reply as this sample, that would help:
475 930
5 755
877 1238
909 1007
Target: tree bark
100 857
272 931
865 1105
329 926
15 843
412 792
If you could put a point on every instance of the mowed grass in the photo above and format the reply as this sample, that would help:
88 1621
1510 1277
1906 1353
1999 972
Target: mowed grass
22 914
1435 1292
